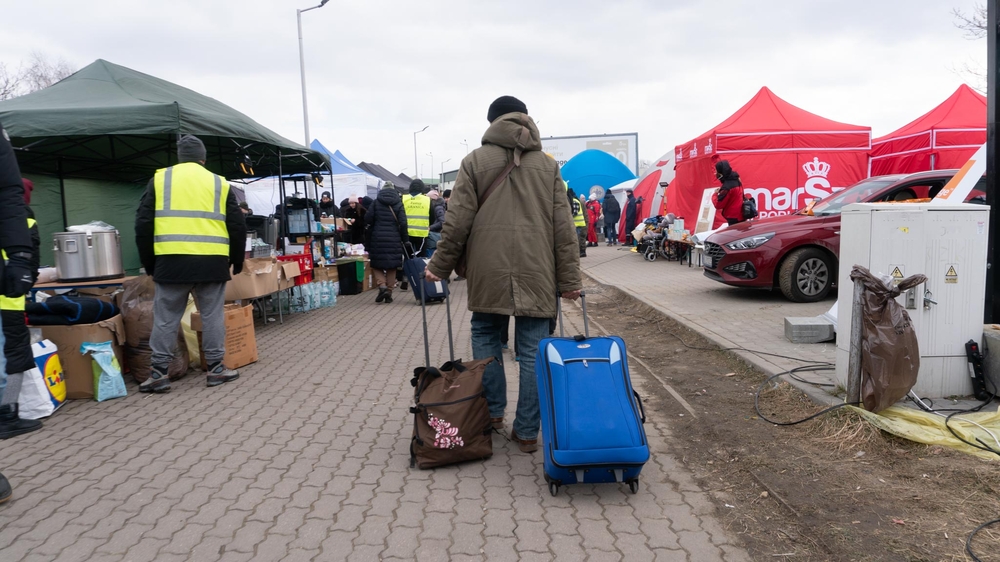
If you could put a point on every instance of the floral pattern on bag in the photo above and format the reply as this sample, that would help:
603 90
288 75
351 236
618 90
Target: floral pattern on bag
447 436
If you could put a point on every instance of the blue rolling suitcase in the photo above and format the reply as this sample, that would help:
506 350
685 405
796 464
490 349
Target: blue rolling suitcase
413 268
591 417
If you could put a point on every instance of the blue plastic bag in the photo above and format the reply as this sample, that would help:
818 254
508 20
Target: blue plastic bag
108 381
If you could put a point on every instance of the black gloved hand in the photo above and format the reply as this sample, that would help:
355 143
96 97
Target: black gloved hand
17 276
237 268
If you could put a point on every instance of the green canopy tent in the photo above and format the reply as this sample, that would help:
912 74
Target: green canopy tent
92 141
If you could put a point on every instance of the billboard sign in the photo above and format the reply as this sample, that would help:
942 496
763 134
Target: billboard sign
624 147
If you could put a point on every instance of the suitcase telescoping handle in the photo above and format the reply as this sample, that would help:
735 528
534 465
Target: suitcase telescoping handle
583 303
423 312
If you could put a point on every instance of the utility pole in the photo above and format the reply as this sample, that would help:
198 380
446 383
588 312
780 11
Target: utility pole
992 312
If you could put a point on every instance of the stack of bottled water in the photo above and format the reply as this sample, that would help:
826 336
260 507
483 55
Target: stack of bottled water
311 296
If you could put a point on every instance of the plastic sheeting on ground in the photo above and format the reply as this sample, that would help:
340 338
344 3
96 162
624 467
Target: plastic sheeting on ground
927 428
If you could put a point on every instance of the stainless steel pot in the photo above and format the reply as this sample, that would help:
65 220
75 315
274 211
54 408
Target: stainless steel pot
88 256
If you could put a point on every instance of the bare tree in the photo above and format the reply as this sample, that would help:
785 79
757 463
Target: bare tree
972 23
38 72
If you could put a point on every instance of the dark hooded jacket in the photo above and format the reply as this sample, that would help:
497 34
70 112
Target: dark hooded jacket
631 212
356 231
14 235
729 198
386 224
521 245
612 210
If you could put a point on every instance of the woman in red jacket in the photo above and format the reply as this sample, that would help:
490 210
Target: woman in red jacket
729 197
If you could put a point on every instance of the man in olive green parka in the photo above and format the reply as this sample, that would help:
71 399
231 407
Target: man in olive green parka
521 249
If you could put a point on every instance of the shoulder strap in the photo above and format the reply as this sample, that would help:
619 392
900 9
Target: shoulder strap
522 141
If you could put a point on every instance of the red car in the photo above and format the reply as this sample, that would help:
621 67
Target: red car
799 252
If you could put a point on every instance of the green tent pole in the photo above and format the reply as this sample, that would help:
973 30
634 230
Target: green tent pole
62 194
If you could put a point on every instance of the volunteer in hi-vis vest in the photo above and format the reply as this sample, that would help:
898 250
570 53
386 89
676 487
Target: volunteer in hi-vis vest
17 339
418 216
189 230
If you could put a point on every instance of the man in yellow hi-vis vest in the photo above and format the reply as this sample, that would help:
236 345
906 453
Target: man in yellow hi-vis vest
419 216
189 230
17 342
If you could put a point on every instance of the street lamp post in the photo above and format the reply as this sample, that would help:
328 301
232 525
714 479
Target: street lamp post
466 146
441 177
415 166
431 154
302 68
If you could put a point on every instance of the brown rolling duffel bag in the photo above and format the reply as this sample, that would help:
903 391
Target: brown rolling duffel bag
451 420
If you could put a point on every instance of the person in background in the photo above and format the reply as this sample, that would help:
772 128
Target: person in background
439 211
387 228
188 254
17 340
612 216
631 215
419 217
728 198
327 206
353 213
579 220
16 278
511 272
594 218
245 209
446 195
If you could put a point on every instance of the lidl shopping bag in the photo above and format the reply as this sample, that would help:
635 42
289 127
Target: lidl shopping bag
43 389
108 381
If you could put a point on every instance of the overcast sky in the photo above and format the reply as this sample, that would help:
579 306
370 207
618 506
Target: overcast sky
378 70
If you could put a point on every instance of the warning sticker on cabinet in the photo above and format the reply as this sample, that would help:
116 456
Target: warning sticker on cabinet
896 272
951 276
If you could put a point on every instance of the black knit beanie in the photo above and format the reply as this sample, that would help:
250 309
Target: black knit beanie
504 105
416 186
190 149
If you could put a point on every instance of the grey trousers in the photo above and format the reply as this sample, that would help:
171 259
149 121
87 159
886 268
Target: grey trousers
168 307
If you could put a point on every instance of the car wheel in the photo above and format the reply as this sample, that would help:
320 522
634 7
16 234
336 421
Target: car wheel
806 275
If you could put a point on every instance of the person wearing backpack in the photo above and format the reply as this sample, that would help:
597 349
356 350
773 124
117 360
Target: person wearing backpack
387 227
510 271
728 198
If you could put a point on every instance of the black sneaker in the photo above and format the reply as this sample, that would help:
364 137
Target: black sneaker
402 286
219 374
381 294
388 298
157 382
11 425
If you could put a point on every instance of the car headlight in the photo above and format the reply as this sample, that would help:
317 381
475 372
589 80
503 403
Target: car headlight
750 242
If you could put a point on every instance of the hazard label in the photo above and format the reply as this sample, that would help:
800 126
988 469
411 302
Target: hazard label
951 276
896 271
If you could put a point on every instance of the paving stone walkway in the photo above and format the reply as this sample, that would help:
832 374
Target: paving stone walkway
305 457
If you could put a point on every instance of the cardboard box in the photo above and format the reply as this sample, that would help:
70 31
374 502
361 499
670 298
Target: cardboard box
259 278
341 224
328 273
289 271
369 277
241 340
76 367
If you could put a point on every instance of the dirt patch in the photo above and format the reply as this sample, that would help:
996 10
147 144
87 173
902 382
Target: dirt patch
830 489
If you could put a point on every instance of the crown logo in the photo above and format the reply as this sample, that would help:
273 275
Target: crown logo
816 168
708 147
680 154
694 151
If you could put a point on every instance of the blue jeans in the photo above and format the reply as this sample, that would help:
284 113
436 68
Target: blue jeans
486 329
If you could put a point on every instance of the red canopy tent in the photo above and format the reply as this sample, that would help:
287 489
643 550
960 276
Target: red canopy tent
944 137
784 155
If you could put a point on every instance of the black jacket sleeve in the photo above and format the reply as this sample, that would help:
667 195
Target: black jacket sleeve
237 227
14 236
437 217
144 217
401 219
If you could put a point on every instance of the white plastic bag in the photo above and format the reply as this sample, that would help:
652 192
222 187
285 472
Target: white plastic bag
108 381
92 226
43 389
